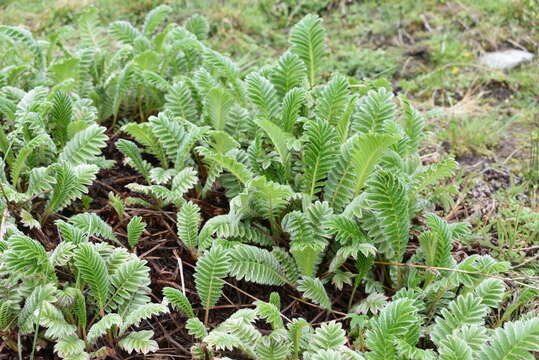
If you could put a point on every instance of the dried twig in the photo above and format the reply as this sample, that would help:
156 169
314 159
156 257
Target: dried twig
436 268
527 261
251 296
318 306
180 267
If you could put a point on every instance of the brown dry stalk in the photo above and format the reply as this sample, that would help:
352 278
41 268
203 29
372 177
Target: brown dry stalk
436 268
252 297
318 306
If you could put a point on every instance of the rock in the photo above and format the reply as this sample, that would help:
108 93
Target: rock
506 59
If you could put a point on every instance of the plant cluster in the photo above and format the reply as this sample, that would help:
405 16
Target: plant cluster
325 186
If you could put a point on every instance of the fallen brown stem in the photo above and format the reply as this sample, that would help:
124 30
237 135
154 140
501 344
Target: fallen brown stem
318 306
426 267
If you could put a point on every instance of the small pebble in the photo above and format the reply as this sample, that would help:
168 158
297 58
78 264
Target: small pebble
506 59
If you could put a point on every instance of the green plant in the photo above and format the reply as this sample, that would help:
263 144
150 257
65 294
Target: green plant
51 148
315 170
337 185
468 136
78 293
458 332
324 183
514 227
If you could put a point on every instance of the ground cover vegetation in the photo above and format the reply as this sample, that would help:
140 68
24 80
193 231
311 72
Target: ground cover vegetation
164 197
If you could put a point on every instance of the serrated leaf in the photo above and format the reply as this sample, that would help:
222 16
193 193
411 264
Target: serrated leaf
135 228
314 290
178 301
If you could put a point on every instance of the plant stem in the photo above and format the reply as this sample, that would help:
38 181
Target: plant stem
19 347
399 277
432 307
354 289
139 101
206 317
34 342
274 227
113 125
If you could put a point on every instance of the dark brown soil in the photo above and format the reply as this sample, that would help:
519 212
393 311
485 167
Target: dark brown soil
498 90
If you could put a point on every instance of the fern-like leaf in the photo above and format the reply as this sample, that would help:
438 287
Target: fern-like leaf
101 327
183 181
135 228
52 318
329 336
255 264
271 313
7 315
139 341
491 292
239 170
143 134
124 32
61 114
273 347
198 25
283 141
262 93
196 328
387 197
289 73
286 261
26 256
19 165
180 101
93 225
220 64
437 244
94 272
154 18
69 347
307 38
142 312
366 153
209 273
374 112
62 254
32 305
169 132
218 105
188 222
319 154
85 146
398 320
120 88
464 310
454 348
306 246
129 280
333 100
515 341
314 290
134 158
292 104
71 184
178 301
270 197
414 123
296 329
